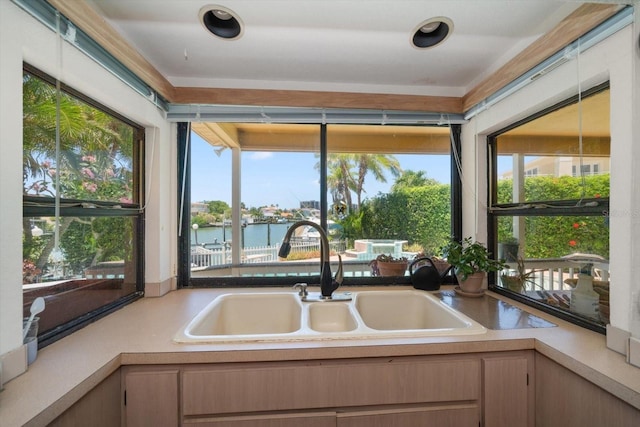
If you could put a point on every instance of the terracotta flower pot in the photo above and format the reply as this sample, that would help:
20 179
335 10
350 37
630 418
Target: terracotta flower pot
392 268
513 283
473 284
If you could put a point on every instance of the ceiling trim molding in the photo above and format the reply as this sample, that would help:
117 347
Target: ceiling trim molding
317 99
574 26
88 20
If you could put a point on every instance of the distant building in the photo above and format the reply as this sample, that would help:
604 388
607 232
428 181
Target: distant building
198 208
310 204
269 211
564 166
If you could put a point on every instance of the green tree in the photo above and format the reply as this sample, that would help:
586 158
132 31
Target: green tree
411 178
256 213
378 165
94 163
340 177
347 173
421 215
203 219
557 236
218 207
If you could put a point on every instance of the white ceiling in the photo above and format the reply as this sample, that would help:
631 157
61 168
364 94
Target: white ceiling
333 45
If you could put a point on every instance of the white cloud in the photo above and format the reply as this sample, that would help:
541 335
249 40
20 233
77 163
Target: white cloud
261 155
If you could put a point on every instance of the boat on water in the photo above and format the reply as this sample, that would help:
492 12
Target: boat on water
310 233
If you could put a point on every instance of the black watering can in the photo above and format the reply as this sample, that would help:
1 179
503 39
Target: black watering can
425 275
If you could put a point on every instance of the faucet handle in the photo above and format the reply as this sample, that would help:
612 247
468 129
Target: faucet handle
339 274
302 289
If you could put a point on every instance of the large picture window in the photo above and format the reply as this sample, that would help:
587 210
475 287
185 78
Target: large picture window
82 216
549 204
377 190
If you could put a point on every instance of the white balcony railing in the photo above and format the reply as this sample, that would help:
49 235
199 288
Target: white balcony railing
549 274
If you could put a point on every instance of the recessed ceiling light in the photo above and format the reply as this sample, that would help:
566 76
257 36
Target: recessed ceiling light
432 32
221 21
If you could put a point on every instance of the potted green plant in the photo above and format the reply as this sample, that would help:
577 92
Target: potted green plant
388 265
438 262
471 262
516 280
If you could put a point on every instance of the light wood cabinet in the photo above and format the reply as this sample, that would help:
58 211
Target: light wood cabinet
520 388
488 389
325 419
98 408
508 395
239 388
150 397
429 390
450 415
565 399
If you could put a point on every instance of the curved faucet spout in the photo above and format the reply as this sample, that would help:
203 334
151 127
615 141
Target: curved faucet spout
327 284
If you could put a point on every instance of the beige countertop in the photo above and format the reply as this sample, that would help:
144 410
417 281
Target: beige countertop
142 333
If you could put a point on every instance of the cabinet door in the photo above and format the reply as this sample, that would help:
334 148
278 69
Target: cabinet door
151 398
506 391
450 416
98 408
565 399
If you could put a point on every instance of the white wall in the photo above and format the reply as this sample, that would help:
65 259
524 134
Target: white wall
10 180
615 59
22 38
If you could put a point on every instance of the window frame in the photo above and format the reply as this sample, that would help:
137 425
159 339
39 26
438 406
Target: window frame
34 206
497 210
184 279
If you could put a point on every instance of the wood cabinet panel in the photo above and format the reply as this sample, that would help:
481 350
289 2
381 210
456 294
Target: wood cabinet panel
451 416
240 389
506 391
98 408
325 419
564 399
151 398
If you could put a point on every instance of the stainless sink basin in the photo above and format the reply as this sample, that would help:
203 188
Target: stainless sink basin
281 316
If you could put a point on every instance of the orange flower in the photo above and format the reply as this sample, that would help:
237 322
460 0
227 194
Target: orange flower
572 243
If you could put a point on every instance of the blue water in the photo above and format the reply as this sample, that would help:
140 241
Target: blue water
253 234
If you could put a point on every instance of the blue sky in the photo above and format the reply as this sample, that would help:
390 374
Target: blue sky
280 178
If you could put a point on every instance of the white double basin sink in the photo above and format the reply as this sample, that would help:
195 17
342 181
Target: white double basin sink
282 316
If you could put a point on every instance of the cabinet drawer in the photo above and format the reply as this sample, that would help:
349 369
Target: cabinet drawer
290 386
453 416
325 419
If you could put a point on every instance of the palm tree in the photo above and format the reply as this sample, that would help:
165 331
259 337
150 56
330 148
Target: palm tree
83 130
347 172
339 176
377 164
